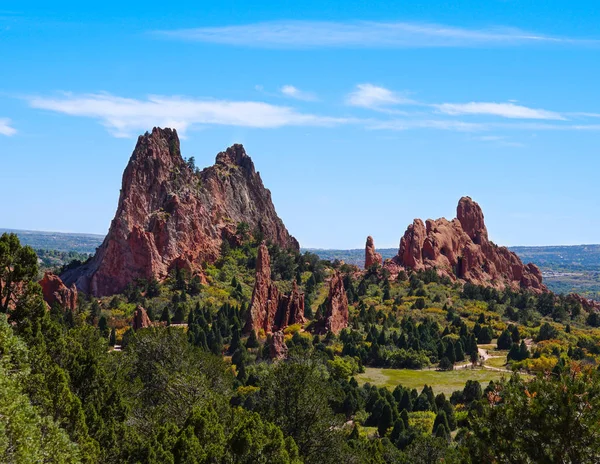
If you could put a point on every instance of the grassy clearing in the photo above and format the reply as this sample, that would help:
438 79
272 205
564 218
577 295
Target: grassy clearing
496 362
441 382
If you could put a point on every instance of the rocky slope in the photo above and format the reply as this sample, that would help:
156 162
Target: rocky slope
171 215
56 292
460 249
271 311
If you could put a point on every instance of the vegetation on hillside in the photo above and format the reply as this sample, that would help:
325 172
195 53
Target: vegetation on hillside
195 389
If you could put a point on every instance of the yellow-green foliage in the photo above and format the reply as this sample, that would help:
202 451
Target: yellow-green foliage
292 329
342 368
422 421
549 346
541 364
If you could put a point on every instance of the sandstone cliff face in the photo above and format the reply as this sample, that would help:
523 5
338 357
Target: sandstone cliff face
460 249
140 319
371 256
55 291
168 215
270 310
336 317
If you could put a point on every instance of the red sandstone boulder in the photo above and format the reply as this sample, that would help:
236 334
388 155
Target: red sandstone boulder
171 214
277 347
460 249
56 292
371 256
269 310
140 319
336 317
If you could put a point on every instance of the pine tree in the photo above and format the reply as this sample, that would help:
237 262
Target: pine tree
252 340
385 421
165 316
103 326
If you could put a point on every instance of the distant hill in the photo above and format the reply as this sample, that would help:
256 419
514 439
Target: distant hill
59 241
565 268
355 256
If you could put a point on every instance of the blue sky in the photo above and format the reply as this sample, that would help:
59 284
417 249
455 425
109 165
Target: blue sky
360 116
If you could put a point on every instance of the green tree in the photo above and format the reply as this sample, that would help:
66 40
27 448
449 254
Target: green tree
25 436
385 421
300 388
547 419
17 264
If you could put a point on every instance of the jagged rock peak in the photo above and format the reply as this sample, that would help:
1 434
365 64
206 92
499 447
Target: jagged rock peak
170 215
236 155
470 216
371 256
460 249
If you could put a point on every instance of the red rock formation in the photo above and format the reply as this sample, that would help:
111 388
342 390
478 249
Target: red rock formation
269 310
371 256
169 214
336 318
55 291
277 347
140 319
460 249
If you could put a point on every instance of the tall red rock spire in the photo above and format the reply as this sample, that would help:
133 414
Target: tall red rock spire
371 256
269 309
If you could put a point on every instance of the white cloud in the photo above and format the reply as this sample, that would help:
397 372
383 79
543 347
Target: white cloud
362 34
439 124
127 116
505 110
6 128
375 97
295 92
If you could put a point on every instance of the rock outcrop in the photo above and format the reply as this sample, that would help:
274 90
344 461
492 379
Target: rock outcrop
277 347
171 214
371 256
336 317
460 249
270 310
56 292
140 319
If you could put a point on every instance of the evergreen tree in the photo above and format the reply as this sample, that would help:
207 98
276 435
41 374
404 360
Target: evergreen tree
103 326
252 340
385 421
165 316
505 340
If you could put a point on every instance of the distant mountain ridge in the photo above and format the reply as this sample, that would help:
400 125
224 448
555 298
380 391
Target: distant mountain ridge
555 258
59 241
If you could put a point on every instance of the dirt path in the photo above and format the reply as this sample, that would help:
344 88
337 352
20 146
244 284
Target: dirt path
484 355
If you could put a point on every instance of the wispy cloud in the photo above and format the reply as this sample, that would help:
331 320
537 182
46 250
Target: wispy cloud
363 34
445 125
376 98
6 128
505 110
382 99
295 92
126 116
499 140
